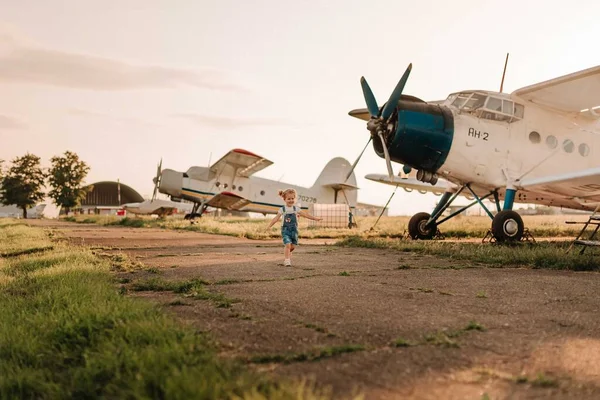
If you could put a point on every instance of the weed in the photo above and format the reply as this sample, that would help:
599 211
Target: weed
314 355
474 326
344 273
542 380
227 281
481 295
400 342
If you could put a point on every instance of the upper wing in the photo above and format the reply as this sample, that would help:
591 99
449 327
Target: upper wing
581 186
579 91
228 200
240 162
411 183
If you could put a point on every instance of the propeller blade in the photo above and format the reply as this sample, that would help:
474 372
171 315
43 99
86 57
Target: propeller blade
387 157
369 98
392 103
356 162
157 179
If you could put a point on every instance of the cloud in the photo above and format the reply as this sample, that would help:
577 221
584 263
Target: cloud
11 123
230 122
78 112
21 61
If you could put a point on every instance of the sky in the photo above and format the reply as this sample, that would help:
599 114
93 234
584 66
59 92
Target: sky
124 83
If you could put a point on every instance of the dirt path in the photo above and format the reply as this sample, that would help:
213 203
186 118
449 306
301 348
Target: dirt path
540 336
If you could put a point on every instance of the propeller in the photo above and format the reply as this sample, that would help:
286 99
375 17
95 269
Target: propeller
379 122
156 179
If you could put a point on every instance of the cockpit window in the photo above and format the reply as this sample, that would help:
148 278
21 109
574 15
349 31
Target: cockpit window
460 100
475 101
487 106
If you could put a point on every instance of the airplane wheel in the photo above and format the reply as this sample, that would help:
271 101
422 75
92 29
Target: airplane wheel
186 217
417 228
507 226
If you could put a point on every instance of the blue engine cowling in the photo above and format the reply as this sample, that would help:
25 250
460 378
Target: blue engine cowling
422 135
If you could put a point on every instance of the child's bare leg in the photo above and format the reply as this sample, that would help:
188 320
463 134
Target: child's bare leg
292 247
287 251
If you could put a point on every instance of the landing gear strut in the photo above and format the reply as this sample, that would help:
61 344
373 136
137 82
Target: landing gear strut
507 225
195 214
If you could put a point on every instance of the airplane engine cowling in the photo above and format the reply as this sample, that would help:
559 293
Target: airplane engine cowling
422 136
171 182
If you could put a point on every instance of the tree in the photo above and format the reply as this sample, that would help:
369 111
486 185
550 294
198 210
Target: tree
66 178
23 183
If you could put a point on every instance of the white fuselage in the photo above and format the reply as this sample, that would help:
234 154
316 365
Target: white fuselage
493 154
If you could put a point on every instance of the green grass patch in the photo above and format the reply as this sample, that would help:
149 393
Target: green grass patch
66 332
442 338
547 255
193 288
314 355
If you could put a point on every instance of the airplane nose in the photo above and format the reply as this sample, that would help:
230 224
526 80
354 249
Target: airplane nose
422 136
171 182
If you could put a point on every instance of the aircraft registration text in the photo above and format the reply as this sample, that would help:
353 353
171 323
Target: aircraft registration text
478 134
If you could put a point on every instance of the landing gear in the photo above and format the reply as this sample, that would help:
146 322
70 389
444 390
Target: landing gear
419 229
507 226
195 214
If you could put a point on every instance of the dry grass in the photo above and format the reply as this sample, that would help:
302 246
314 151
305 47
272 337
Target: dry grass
388 227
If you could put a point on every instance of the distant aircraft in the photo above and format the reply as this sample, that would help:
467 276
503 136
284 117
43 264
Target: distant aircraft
229 184
535 145
162 208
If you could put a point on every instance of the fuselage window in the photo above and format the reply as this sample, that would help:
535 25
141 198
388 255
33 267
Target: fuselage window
551 142
233 187
217 184
240 188
262 192
225 185
568 146
535 137
584 149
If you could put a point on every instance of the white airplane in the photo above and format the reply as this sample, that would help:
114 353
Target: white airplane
229 183
162 208
539 144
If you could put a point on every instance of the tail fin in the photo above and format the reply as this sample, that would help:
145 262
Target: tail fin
334 175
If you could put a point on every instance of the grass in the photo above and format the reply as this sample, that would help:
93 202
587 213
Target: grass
388 227
66 332
193 288
547 255
442 338
314 355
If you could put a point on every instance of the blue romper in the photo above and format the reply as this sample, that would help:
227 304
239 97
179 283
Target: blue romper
289 228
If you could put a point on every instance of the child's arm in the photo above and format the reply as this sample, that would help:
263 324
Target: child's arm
274 220
307 215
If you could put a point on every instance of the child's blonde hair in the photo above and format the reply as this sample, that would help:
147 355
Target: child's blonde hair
283 193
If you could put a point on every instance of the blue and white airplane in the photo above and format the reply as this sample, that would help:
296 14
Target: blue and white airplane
539 144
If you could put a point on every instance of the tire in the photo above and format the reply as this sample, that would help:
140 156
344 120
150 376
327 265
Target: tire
507 226
417 229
